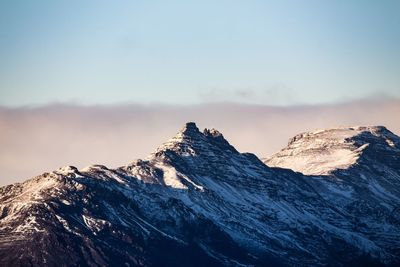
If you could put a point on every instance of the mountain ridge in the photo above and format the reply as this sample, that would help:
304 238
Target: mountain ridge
196 193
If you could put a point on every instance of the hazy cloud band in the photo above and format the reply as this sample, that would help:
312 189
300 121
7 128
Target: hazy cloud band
34 140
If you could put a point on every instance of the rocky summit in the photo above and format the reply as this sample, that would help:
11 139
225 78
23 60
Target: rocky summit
331 198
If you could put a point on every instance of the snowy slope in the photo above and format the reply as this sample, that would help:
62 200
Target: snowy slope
197 201
324 151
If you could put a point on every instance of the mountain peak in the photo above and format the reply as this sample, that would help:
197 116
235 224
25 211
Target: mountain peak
190 141
338 133
190 127
190 130
182 143
323 151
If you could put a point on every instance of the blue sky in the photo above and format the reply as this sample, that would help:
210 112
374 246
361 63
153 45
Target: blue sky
185 52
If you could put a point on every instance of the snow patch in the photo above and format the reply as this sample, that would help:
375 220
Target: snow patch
96 225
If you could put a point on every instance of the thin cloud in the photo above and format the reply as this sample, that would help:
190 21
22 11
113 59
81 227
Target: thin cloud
276 94
38 139
216 95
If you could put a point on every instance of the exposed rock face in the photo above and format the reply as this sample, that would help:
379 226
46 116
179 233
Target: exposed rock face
197 201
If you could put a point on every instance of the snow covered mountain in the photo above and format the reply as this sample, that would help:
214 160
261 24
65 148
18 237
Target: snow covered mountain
324 151
197 201
357 169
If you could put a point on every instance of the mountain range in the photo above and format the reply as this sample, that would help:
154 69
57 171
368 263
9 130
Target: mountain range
330 198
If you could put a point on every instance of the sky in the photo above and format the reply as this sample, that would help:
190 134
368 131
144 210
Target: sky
189 52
